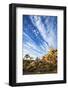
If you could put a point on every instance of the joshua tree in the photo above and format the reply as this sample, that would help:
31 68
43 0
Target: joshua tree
37 59
26 57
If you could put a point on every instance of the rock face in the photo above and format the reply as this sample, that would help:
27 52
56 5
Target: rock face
51 57
48 64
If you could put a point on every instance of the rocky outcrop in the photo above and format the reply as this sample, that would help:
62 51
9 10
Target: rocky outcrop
48 64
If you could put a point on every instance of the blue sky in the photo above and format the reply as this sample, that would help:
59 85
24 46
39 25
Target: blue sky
39 34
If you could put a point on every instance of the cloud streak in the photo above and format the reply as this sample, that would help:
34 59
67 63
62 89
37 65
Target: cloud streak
39 34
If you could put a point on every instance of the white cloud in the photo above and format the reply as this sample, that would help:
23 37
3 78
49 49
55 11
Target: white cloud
48 37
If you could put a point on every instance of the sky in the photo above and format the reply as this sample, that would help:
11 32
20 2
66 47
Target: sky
39 34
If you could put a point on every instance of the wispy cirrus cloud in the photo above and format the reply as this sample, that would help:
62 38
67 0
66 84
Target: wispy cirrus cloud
40 34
